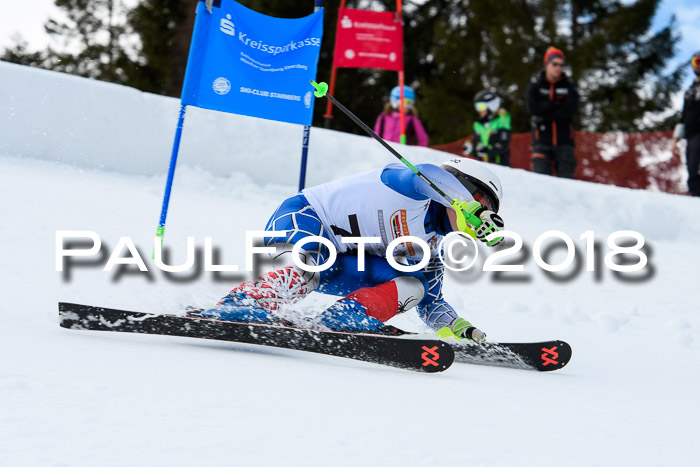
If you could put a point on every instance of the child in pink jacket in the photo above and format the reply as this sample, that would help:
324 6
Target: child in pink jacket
388 124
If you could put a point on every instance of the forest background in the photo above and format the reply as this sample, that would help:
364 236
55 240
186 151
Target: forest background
627 66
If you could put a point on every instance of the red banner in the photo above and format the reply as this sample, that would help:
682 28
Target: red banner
368 39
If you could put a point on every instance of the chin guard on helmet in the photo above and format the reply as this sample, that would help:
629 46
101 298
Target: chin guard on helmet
470 222
465 219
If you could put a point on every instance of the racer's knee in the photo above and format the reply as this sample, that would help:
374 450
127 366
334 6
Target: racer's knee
410 291
385 300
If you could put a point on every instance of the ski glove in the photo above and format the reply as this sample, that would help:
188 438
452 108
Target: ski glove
464 330
490 223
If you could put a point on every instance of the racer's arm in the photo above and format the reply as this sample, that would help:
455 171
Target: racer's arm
404 181
437 313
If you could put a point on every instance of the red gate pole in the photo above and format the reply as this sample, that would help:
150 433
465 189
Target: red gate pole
328 117
402 111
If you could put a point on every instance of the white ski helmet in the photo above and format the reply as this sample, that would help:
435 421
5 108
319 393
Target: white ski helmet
478 179
487 100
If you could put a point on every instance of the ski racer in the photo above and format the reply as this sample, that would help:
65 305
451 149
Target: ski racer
387 203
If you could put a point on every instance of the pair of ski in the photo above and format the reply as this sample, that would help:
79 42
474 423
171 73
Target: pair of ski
400 349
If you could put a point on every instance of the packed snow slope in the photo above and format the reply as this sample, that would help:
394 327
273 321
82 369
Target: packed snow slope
76 154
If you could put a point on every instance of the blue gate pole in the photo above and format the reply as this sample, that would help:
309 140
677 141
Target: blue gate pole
307 131
304 156
160 232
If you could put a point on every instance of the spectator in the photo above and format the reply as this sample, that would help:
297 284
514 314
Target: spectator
552 101
388 124
492 129
689 128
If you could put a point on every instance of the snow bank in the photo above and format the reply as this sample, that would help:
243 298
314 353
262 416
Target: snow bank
78 121
77 154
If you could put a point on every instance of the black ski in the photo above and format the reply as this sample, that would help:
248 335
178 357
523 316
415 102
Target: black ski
428 355
541 356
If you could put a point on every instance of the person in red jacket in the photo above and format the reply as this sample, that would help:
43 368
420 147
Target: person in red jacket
388 124
552 101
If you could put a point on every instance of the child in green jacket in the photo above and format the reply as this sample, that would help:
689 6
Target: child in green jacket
492 129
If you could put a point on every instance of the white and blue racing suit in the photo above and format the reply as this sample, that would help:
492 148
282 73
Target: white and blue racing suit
387 203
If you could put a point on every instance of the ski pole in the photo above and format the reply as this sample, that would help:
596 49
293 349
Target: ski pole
322 90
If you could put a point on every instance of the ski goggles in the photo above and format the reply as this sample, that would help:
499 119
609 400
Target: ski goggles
695 61
407 103
484 200
478 193
481 107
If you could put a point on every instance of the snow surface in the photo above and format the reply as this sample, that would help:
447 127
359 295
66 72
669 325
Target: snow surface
76 154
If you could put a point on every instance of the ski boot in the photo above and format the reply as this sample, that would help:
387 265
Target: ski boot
256 301
350 316
239 307
462 329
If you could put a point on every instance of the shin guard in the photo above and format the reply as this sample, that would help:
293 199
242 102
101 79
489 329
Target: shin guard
380 302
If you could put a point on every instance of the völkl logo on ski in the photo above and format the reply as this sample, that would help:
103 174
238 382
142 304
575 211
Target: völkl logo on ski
430 356
554 355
